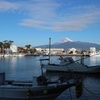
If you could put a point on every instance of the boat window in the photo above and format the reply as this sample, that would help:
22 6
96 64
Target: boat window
66 60
71 60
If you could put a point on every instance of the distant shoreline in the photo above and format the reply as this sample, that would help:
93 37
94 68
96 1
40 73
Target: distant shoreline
69 55
46 55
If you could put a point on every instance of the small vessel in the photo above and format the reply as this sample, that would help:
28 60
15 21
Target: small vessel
12 55
1 55
18 55
95 54
67 64
43 90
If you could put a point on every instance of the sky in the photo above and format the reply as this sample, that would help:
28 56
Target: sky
35 21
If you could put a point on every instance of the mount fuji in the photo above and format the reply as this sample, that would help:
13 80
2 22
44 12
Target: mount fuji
65 40
67 43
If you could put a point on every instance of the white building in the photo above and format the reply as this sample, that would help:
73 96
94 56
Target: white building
92 49
52 50
73 50
14 48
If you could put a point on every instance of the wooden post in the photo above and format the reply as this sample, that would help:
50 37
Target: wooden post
78 89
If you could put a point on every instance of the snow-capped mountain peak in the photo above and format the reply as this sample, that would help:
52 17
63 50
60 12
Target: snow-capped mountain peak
65 40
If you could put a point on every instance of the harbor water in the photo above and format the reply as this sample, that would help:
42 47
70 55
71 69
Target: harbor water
25 68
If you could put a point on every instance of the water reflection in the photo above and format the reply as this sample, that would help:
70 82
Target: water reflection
27 67
95 60
20 67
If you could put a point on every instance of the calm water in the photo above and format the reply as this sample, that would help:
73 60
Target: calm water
24 68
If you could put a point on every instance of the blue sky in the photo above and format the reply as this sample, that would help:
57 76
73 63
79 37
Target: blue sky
35 21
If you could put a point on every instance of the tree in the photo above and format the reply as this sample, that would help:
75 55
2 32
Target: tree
1 44
10 42
28 46
33 50
7 43
1 47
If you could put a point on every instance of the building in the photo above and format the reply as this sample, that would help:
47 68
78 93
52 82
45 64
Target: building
72 50
92 50
14 48
52 50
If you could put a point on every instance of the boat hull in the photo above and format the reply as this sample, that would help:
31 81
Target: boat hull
77 68
32 93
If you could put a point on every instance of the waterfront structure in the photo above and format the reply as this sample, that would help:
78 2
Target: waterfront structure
92 50
72 50
52 50
14 48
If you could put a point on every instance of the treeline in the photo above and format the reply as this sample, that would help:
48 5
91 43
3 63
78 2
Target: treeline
7 43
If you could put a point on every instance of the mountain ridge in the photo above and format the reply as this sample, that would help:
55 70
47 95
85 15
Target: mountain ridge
72 44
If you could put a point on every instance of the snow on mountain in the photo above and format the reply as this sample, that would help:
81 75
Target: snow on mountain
67 43
64 40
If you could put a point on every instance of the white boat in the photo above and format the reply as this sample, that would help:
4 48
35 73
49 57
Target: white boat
7 55
12 55
43 90
67 64
95 54
18 55
1 55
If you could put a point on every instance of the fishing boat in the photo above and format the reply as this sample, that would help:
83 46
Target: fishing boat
43 90
67 64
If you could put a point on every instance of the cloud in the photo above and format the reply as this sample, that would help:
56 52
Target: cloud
53 15
75 22
6 6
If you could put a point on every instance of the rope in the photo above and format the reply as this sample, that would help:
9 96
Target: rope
72 72
85 95
83 58
90 91
70 93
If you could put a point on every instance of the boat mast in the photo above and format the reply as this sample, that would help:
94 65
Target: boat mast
49 49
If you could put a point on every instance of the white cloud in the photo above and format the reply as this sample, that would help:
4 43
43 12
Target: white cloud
75 22
48 14
6 6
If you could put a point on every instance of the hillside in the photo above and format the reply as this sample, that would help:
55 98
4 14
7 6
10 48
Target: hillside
68 43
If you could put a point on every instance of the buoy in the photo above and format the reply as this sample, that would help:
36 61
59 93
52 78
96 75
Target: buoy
41 80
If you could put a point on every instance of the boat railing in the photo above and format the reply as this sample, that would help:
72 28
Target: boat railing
44 59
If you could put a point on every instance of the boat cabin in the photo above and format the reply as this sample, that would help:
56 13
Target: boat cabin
66 60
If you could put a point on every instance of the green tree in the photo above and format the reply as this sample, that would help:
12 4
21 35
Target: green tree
33 50
10 42
28 46
1 47
7 43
